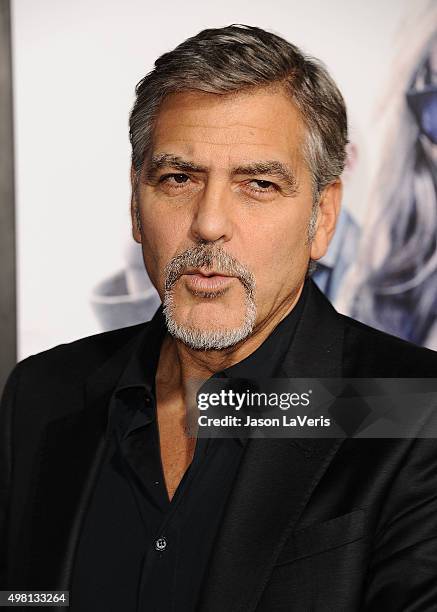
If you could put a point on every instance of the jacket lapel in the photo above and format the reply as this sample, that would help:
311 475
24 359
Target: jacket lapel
71 456
276 477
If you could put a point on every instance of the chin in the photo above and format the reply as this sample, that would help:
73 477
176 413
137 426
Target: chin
209 327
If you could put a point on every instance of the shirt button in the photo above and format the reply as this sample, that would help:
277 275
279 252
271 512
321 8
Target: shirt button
160 544
147 399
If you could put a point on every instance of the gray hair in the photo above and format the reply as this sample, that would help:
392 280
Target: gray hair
241 57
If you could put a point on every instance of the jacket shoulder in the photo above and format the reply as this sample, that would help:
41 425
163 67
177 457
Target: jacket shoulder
371 350
76 360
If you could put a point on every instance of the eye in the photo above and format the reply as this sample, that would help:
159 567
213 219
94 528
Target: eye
179 179
262 185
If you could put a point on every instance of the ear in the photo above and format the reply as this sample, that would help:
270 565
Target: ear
329 210
134 208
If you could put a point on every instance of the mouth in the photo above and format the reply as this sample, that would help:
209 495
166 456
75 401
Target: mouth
207 281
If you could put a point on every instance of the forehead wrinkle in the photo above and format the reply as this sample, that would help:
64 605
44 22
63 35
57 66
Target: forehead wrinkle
229 126
235 141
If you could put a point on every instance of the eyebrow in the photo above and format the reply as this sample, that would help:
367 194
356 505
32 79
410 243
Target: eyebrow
273 168
165 160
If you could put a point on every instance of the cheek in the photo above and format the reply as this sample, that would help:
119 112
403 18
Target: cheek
279 250
163 237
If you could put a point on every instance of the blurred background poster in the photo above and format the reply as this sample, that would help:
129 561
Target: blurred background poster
75 65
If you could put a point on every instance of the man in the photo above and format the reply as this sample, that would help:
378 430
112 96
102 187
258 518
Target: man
238 143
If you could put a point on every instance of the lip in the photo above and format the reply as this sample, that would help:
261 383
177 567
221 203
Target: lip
207 282
205 272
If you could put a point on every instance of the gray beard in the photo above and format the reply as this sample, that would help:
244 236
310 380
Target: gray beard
210 256
207 340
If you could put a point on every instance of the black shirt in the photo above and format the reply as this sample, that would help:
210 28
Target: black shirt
139 552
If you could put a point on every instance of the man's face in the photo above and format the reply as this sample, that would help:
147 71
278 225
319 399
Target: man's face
226 172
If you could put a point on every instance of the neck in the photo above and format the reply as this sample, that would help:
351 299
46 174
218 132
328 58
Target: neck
178 363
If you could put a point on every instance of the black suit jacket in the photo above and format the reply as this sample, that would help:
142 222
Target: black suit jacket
311 524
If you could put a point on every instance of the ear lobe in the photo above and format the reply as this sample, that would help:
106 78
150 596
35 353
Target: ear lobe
329 210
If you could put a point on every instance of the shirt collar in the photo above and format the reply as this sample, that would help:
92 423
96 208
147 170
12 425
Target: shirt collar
141 368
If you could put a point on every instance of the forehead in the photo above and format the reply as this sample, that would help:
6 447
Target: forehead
231 127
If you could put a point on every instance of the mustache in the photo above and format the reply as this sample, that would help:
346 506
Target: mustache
211 257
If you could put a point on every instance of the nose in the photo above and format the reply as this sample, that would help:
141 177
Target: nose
211 220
